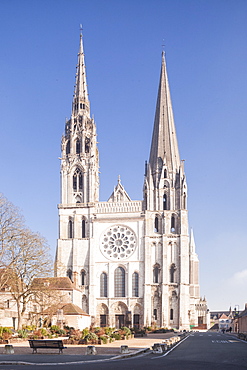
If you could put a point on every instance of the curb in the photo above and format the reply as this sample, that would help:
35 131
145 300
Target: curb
126 355
136 353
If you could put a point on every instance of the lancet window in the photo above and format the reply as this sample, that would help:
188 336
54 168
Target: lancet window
103 284
69 274
78 146
83 228
77 180
87 144
68 147
156 272
83 277
135 284
119 282
70 229
165 205
156 224
172 273
173 224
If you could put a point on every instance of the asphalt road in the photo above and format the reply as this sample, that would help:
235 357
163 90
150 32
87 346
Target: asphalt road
198 351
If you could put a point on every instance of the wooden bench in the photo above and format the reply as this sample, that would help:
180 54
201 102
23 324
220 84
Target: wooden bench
46 343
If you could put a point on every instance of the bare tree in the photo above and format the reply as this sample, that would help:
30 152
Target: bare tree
11 223
24 255
30 259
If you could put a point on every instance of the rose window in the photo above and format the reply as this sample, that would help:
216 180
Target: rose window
118 242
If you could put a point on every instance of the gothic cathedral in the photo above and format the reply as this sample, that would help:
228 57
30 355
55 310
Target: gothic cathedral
133 263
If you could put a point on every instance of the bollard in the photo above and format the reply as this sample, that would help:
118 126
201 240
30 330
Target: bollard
91 350
9 349
164 347
157 348
124 349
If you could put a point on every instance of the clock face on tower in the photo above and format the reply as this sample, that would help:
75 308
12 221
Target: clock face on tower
118 242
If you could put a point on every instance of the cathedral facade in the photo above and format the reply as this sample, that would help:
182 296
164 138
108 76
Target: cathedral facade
133 262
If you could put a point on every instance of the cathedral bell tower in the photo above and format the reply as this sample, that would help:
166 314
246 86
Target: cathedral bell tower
165 193
79 162
165 184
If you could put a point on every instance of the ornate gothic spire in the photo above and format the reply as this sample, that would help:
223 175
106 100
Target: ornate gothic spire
164 148
80 100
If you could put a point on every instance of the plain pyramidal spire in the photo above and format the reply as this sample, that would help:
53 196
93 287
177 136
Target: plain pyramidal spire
80 101
164 147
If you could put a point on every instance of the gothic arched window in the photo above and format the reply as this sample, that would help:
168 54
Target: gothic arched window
165 173
77 180
68 147
83 277
87 145
70 229
172 273
83 228
69 274
165 207
156 274
84 305
173 224
119 282
135 284
184 201
155 314
103 284
171 314
156 224
78 146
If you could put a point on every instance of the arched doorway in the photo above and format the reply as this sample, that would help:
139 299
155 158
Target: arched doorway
103 314
120 311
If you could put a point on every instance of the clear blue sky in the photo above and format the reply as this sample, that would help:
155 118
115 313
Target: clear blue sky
205 43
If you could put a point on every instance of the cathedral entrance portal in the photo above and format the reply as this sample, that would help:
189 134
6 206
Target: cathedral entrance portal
119 310
119 321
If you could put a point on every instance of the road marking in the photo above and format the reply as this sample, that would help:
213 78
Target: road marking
220 341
